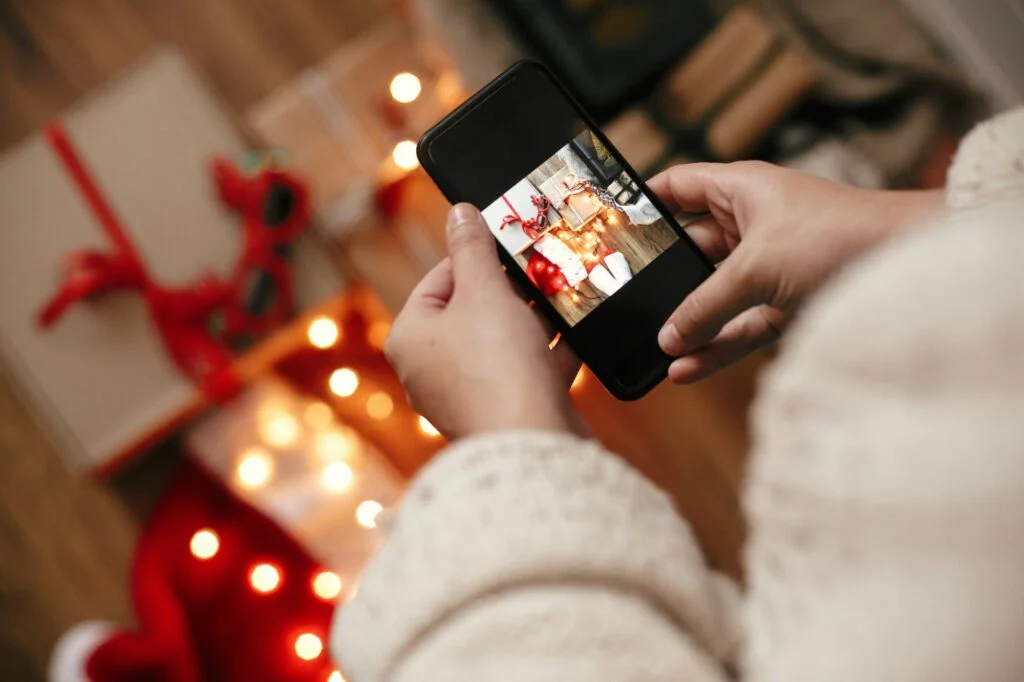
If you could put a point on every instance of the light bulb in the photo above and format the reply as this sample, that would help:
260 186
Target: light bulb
378 333
308 646
335 677
404 155
327 585
427 428
204 544
255 468
318 415
581 378
333 445
264 578
405 87
279 429
323 332
343 382
379 406
336 477
367 512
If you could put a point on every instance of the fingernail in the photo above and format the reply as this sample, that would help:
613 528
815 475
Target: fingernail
461 213
670 340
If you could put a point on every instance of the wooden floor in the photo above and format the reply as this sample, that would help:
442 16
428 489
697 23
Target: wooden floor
66 542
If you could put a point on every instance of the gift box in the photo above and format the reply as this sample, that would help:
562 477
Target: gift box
121 237
521 216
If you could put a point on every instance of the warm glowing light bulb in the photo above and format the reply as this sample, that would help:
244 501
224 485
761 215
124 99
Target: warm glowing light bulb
379 406
204 544
336 477
367 513
343 382
327 585
378 333
405 87
318 415
428 428
580 379
323 332
264 578
335 677
280 429
308 646
332 445
404 155
255 468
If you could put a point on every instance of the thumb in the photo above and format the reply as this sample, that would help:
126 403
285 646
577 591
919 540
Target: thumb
472 249
729 291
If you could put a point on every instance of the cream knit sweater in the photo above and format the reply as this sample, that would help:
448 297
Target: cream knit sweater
884 498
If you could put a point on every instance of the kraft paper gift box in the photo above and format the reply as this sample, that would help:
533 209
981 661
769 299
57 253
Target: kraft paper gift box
100 380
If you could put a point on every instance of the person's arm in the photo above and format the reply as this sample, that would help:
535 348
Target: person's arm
536 556
523 551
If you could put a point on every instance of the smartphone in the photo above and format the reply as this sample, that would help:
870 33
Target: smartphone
577 229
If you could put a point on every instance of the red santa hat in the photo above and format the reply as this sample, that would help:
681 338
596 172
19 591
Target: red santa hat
220 593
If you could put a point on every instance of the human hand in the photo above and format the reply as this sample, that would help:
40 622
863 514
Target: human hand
777 235
471 355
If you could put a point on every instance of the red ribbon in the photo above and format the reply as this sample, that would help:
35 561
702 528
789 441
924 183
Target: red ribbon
529 226
182 315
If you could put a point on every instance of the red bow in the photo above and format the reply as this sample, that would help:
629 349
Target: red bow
529 226
182 315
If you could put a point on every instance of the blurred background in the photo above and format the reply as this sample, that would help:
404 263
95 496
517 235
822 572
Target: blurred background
210 210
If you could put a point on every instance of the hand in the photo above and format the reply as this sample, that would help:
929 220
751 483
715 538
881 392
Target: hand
777 235
472 356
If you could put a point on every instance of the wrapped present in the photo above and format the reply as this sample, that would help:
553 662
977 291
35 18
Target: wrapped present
521 216
140 252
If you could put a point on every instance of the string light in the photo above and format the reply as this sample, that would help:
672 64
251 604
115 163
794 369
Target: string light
575 297
427 428
580 379
379 406
335 677
323 332
308 646
264 578
204 544
255 468
405 87
343 382
318 415
367 513
327 585
404 155
333 445
378 333
336 477
280 429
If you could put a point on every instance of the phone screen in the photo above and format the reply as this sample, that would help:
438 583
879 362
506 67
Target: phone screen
579 227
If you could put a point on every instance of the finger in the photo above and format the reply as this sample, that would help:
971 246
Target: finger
709 237
436 287
474 259
688 187
740 337
566 362
730 290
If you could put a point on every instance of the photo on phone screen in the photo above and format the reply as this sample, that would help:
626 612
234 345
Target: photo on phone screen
579 227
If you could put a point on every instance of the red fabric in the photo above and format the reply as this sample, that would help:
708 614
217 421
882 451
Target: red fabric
199 620
182 315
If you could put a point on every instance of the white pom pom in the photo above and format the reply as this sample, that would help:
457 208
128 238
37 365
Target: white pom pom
73 649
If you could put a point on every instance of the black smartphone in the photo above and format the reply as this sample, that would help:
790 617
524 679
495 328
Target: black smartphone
576 227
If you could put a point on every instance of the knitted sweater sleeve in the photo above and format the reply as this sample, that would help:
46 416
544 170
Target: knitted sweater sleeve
536 556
